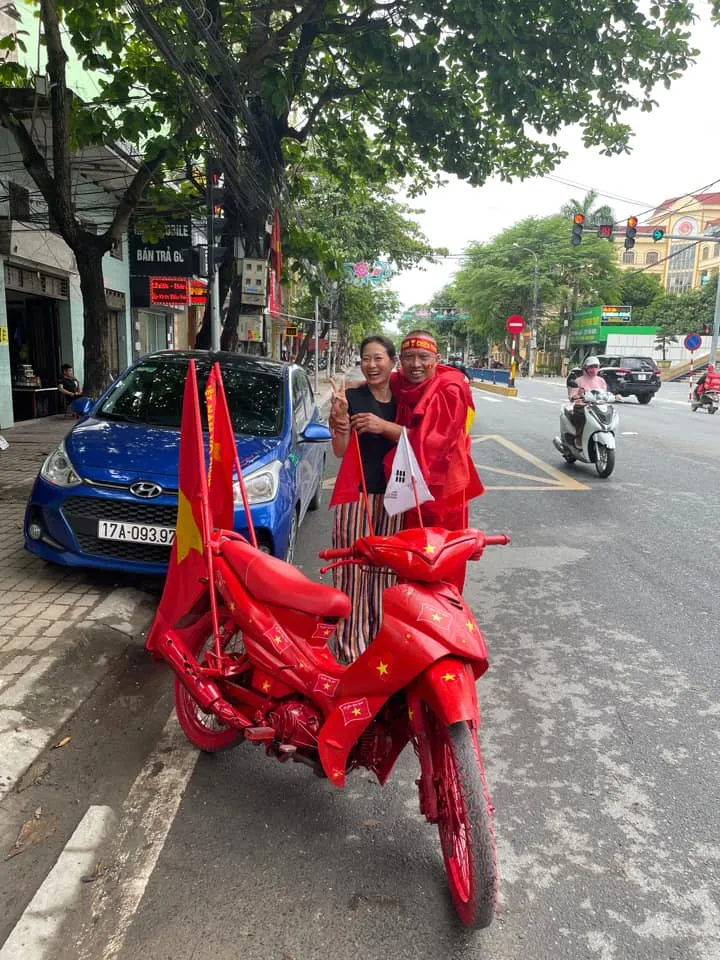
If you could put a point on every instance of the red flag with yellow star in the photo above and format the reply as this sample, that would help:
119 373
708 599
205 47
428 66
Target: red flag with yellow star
187 566
222 453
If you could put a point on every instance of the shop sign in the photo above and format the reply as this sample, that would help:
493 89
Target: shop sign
170 256
168 291
198 291
611 314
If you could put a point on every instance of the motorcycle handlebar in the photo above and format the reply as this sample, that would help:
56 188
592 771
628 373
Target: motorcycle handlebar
497 540
342 553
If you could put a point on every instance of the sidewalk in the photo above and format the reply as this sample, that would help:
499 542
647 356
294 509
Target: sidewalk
60 629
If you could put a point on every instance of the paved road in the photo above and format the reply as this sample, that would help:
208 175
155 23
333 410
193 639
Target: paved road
600 735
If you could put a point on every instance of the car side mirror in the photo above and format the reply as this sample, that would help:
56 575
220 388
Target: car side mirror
82 406
316 432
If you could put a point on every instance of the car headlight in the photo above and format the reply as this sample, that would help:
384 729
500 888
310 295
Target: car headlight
261 485
59 470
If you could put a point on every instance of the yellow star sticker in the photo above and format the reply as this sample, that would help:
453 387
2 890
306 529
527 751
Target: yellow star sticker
357 712
277 639
326 686
411 714
266 686
301 665
429 548
233 606
382 668
436 617
188 535
448 677
470 625
336 774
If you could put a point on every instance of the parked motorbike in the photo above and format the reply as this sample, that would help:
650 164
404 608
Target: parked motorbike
270 678
598 435
709 400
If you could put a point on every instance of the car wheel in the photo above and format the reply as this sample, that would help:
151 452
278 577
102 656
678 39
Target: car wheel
292 538
645 398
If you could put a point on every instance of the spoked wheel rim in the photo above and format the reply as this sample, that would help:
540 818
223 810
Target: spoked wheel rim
205 730
453 823
601 456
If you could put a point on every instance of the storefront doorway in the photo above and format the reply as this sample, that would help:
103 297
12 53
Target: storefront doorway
34 342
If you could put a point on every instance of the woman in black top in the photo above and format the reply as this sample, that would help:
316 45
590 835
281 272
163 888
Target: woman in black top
370 410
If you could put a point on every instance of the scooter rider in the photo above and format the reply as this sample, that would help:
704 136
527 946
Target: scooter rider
587 381
708 381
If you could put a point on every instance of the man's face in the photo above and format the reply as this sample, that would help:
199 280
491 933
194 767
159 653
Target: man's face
418 365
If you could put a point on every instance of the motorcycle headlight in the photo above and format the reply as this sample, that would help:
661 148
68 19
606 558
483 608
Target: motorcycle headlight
59 470
261 485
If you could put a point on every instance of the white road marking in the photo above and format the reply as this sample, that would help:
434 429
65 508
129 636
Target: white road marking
484 396
147 816
629 433
553 402
519 400
34 934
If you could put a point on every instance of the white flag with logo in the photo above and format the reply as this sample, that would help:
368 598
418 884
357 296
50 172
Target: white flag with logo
400 495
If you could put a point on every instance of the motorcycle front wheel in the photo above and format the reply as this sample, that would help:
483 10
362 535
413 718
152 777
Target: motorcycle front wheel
604 460
464 822
202 729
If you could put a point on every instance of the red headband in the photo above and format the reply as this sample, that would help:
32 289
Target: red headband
419 343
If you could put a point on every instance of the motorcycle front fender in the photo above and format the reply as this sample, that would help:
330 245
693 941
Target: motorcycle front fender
605 438
448 688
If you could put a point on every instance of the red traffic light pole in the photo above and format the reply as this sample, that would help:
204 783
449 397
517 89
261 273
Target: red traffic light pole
514 326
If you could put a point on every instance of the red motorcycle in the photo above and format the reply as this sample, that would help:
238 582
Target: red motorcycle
268 676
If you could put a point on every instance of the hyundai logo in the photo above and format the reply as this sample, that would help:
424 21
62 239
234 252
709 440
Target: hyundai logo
146 490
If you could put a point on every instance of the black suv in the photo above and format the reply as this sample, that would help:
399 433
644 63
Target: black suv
628 376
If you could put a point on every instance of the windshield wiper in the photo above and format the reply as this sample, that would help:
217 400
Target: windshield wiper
121 416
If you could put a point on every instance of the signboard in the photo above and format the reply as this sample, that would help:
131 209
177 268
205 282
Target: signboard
332 335
250 327
692 342
4 335
170 256
168 291
515 324
611 314
291 331
198 291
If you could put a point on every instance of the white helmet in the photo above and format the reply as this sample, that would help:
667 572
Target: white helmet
590 362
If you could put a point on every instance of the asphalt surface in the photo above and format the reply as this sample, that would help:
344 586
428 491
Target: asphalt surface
600 738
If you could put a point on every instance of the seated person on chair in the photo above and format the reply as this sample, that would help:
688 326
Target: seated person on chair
68 386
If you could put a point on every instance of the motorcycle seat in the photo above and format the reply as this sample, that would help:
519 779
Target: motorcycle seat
273 581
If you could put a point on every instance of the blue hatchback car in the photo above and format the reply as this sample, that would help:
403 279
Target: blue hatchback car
106 497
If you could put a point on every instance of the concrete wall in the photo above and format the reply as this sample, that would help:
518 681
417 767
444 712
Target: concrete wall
628 346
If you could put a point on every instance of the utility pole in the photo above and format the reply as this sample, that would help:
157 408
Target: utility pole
716 326
317 343
533 320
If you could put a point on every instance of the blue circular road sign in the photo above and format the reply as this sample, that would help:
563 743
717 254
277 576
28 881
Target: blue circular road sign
692 341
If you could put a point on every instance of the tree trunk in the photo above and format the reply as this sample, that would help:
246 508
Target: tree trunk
96 335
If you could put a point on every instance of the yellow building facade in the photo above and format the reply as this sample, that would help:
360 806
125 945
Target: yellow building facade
682 264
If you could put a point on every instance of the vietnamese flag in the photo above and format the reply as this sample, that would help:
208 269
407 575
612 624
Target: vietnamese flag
350 477
222 453
187 567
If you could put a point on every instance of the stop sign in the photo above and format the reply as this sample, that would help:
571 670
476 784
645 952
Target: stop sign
515 324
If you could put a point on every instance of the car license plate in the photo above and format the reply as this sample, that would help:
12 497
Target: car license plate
135 532
642 376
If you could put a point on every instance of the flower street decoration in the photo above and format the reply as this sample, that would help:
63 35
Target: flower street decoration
365 273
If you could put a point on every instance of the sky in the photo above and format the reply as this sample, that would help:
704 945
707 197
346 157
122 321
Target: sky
676 150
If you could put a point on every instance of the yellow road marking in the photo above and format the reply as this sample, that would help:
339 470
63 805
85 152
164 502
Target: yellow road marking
554 479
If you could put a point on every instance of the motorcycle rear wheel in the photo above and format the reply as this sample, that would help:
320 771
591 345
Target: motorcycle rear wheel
464 824
202 729
604 460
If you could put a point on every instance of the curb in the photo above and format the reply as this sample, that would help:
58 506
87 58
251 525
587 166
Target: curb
494 388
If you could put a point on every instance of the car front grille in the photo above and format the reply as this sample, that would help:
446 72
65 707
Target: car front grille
83 513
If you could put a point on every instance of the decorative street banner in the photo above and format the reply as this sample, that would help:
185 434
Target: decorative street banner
364 273
168 257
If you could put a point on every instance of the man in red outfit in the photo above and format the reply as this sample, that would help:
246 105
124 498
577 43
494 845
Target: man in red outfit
434 403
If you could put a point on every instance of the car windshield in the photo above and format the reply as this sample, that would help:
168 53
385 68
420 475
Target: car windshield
639 363
152 393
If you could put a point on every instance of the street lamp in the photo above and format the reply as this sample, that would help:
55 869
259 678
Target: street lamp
533 320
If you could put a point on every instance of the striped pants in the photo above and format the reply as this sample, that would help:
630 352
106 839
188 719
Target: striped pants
364 585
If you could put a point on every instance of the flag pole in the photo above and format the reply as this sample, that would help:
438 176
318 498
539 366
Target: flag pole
236 456
413 481
354 438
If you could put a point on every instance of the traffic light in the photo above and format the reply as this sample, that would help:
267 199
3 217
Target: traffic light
577 230
217 255
658 233
630 231
605 231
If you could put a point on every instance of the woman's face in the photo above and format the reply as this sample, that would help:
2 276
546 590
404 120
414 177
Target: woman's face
376 364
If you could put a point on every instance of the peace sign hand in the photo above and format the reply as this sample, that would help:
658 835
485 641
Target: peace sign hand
338 401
